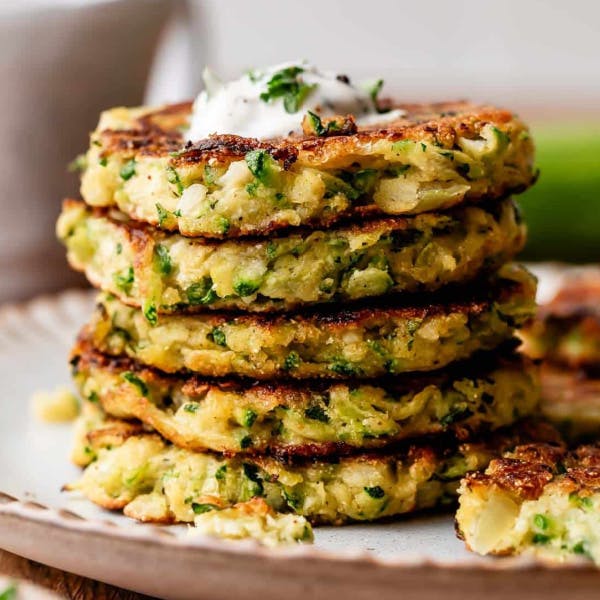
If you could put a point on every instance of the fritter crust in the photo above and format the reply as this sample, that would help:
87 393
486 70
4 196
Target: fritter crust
137 477
315 418
365 341
458 152
166 273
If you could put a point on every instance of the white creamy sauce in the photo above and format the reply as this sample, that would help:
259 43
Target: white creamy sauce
236 107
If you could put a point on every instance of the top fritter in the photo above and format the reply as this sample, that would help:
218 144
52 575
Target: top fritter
412 159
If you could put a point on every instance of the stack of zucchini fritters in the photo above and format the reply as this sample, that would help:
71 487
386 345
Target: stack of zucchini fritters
323 321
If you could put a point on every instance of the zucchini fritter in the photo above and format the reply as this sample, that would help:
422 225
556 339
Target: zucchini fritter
167 273
312 418
153 481
360 342
539 499
434 158
252 519
567 329
566 336
570 398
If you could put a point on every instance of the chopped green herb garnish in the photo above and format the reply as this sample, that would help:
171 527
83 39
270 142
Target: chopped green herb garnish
132 378
245 442
455 414
223 224
251 473
288 85
124 280
210 175
191 407
221 472
412 325
249 418
364 180
375 492
119 248
316 124
252 188
200 509
173 177
293 500
162 259
343 367
503 138
581 501
151 313
397 170
163 214
271 250
317 127
245 287
217 335
103 161
201 292
128 170
254 75
581 548
541 522
540 538
259 163
317 413
292 361
402 146
463 169
374 90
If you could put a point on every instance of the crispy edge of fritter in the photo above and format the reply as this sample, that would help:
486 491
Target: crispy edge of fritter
426 453
86 359
481 297
157 133
144 233
527 471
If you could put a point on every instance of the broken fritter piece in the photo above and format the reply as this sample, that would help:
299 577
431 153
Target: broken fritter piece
539 499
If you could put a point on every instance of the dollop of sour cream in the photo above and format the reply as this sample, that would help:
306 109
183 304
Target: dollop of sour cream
272 102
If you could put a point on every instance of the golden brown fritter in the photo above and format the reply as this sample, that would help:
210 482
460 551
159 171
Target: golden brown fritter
166 273
364 341
541 499
153 481
435 157
312 418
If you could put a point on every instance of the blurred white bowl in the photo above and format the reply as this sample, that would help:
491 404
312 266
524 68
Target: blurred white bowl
60 64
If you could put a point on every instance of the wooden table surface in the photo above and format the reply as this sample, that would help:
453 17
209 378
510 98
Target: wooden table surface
64 584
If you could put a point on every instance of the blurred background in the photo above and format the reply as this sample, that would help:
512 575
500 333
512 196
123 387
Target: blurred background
63 61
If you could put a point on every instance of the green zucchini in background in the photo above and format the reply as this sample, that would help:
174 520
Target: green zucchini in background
562 210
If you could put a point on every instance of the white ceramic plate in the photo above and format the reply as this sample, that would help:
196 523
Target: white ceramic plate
418 555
